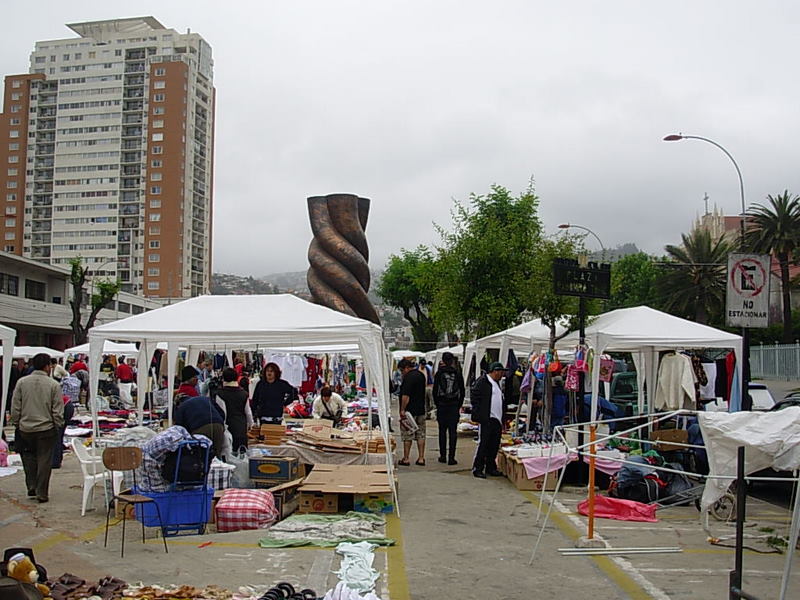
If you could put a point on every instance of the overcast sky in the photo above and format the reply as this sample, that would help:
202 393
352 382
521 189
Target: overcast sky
413 103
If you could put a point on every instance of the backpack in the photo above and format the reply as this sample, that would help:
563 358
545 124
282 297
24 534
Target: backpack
189 463
447 389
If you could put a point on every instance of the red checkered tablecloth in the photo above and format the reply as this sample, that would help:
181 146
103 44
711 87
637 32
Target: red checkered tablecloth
245 509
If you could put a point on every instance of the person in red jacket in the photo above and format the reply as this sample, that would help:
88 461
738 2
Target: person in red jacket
188 387
78 365
123 372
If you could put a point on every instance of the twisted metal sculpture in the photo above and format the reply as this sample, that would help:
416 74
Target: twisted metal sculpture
339 273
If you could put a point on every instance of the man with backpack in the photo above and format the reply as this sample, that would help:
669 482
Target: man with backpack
448 396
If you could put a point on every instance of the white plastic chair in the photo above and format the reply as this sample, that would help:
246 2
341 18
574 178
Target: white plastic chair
93 472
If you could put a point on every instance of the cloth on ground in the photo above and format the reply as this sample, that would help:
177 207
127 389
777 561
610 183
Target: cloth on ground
327 530
342 592
619 509
356 571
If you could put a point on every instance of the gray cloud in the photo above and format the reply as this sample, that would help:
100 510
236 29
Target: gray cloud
414 103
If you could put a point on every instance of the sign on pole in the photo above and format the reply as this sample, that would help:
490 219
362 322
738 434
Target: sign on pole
591 281
747 299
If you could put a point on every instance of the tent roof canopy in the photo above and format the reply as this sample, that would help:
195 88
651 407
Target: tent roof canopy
279 320
628 329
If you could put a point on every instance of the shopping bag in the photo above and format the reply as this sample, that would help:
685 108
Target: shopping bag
572 381
606 368
240 478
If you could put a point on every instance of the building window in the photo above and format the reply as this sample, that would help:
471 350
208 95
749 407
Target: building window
160 72
155 203
158 110
9 284
13 146
65 57
11 185
155 189
156 164
159 85
157 124
40 59
11 197
153 176
155 244
14 133
158 97
11 210
155 217
16 83
157 149
15 108
10 235
77 56
153 271
9 248
12 222
16 96
152 285
34 290
12 172
13 159
158 137
153 258
155 230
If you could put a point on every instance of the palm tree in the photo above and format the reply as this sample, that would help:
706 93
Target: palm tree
776 230
694 277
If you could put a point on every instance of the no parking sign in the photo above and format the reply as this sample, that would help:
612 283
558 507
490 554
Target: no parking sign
747 300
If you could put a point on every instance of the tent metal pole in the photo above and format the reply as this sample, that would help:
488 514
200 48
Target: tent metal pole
794 531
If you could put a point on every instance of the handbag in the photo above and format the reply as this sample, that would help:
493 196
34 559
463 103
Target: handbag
572 381
606 368
555 364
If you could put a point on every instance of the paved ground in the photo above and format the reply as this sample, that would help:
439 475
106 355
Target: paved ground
458 537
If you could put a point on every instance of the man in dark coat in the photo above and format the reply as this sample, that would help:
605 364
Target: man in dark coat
448 396
488 407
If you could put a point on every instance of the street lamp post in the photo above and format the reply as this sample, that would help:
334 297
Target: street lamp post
735 579
582 389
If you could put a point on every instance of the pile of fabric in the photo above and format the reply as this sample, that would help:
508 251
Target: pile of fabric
69 587
154 452
327 530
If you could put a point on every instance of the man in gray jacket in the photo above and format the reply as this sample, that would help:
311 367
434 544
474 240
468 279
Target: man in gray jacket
37 412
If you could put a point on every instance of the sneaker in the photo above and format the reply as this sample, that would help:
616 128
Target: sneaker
478 474
452 462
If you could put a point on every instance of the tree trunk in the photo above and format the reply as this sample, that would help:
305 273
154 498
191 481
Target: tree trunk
786 294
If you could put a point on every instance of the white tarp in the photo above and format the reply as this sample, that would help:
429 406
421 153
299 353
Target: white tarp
273 321
771 439
7 337
401 354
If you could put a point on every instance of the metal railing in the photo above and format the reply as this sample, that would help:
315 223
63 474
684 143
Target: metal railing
775 361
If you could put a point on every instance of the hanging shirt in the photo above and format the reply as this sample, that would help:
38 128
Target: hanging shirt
496 408
675 389
708 391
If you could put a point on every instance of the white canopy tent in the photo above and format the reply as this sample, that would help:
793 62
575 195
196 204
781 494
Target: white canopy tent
7 337
400 354
644 332
523 339
27 352
271 321
108 348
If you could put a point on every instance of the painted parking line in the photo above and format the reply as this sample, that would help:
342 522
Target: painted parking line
395 560
619 570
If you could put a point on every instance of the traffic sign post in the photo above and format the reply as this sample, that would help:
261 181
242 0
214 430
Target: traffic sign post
747 298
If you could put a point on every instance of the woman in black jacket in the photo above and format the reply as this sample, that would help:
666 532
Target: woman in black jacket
236 407
271 394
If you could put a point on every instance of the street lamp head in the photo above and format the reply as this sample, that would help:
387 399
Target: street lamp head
564 226
675 137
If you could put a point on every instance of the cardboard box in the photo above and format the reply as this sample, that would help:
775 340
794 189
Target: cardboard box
321 489
317 502
515 471
670 435
285 496
373 503
321 428
275 469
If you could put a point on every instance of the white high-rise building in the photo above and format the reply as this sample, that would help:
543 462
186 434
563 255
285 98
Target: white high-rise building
106 152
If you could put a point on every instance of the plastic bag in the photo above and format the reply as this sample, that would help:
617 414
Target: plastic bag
241 474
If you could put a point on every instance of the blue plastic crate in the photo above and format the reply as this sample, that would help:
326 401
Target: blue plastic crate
180 510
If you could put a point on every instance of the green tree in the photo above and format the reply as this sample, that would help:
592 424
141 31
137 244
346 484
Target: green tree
692 280
485 262
104 292
633 282
407 284
775 229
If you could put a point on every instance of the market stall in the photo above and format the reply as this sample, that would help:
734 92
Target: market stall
7 337
644 332
271 321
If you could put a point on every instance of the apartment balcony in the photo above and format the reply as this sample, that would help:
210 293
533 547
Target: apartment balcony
45 149
129 209
43 188
129 223
42 177
47 100
40 239
129 196
132 145
131 157
132 120
132 170
132 106
134 80
42 213
134 68
124 236
46 124
137 54
133 93
40 226
45 137
46 112
132 132
42 201
44 163
130 184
